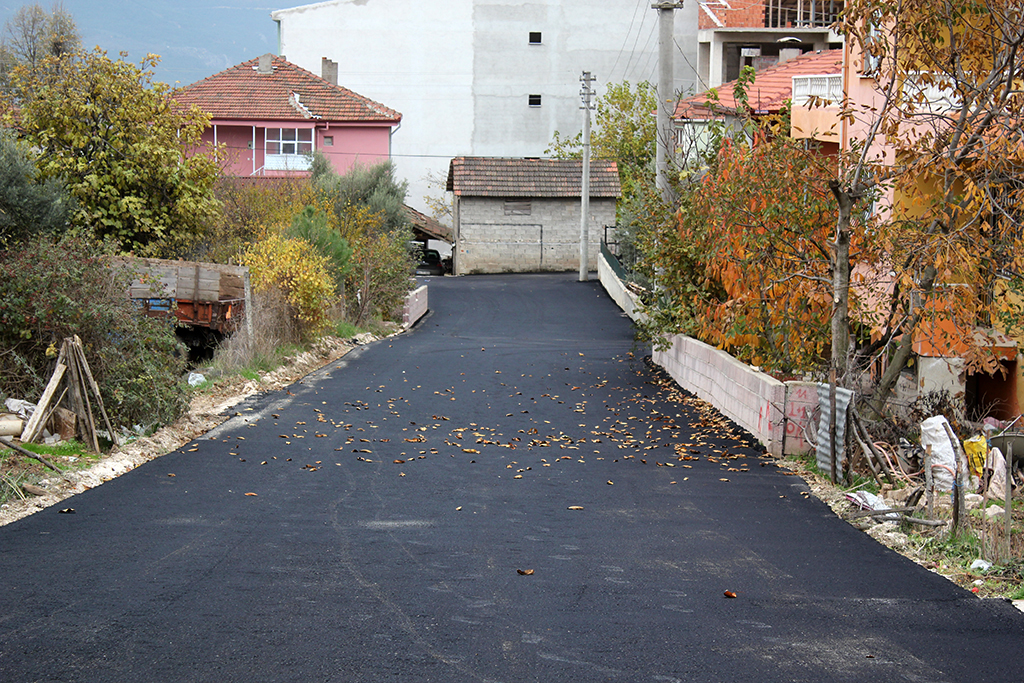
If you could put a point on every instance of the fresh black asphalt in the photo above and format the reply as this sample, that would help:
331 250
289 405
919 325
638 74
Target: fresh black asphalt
290 545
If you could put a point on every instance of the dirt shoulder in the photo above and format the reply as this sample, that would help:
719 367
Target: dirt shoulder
208 409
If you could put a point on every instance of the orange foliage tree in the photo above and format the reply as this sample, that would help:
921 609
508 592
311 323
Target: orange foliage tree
766 268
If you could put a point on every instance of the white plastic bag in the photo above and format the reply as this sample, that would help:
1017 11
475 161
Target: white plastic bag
933 433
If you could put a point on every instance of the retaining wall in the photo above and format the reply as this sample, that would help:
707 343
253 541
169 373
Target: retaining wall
415 306
775 412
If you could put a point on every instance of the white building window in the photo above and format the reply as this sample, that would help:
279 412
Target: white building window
288 149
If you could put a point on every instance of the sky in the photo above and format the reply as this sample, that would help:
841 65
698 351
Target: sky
194 39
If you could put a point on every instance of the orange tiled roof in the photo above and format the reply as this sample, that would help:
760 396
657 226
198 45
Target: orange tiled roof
770 89
518 177
288 93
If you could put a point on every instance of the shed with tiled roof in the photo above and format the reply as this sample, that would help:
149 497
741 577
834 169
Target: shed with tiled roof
523 215
269 114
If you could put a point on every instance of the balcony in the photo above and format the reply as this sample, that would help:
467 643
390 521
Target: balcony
818 90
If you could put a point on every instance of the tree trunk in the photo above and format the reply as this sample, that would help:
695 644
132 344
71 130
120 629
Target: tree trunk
840 310
906 347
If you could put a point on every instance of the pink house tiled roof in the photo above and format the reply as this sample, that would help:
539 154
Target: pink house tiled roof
517 177
285 93
770 89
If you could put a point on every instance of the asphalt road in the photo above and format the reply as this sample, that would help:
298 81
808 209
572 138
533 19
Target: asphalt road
291 544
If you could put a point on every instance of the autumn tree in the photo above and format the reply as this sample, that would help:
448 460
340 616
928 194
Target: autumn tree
125 150
950 117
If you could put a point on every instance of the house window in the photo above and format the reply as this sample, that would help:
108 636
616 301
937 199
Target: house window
287 149
517 207
328 141
534 100
535 38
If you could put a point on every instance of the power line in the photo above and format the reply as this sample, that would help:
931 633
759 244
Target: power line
631 54
639 4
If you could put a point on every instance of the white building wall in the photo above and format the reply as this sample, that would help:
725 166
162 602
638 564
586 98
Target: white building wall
461 71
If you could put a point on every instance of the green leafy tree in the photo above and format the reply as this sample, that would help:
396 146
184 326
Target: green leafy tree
624 130
28 205
313 226
367 206
122 146
374 186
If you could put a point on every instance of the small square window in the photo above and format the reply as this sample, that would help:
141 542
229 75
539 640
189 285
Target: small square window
534 100
517 207
535 38
328 141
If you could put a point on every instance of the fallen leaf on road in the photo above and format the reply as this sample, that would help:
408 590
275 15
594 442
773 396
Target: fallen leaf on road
171 475
730 594
252 494
575 507
610 482
398 462
525 572
470 450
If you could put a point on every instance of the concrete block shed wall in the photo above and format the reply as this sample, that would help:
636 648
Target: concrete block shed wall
548 239
775 412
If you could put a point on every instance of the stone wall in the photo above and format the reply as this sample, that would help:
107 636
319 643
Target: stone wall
548 239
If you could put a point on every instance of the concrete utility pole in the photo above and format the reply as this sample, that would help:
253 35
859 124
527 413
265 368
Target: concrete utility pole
585 94
666 94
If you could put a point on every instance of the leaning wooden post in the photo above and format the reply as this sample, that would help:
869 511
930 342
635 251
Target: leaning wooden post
1009 495
960 481
929 483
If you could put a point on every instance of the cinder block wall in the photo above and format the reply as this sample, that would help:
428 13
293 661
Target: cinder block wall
546 240
416 305
752 399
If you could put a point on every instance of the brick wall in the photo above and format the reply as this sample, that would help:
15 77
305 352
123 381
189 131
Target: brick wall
548 239
744 14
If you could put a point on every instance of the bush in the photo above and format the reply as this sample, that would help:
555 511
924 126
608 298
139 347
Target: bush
296 268
51 290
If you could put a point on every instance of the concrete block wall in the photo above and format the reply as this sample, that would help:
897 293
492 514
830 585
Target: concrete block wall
616 289
753 400
546 240
415 306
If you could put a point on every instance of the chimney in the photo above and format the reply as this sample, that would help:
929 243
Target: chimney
266 64
329 70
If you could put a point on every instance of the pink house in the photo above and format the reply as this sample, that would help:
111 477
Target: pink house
269 114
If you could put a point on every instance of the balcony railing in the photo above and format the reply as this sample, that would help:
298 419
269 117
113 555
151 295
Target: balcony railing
825 90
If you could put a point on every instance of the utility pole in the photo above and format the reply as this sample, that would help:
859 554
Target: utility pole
666 94
585 94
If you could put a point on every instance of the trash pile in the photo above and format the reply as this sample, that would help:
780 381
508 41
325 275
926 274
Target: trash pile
942 473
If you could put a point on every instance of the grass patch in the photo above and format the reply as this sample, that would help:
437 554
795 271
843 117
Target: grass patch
346 330
16 469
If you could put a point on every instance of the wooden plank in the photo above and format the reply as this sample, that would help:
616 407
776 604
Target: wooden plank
35 422
96 391
75 358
